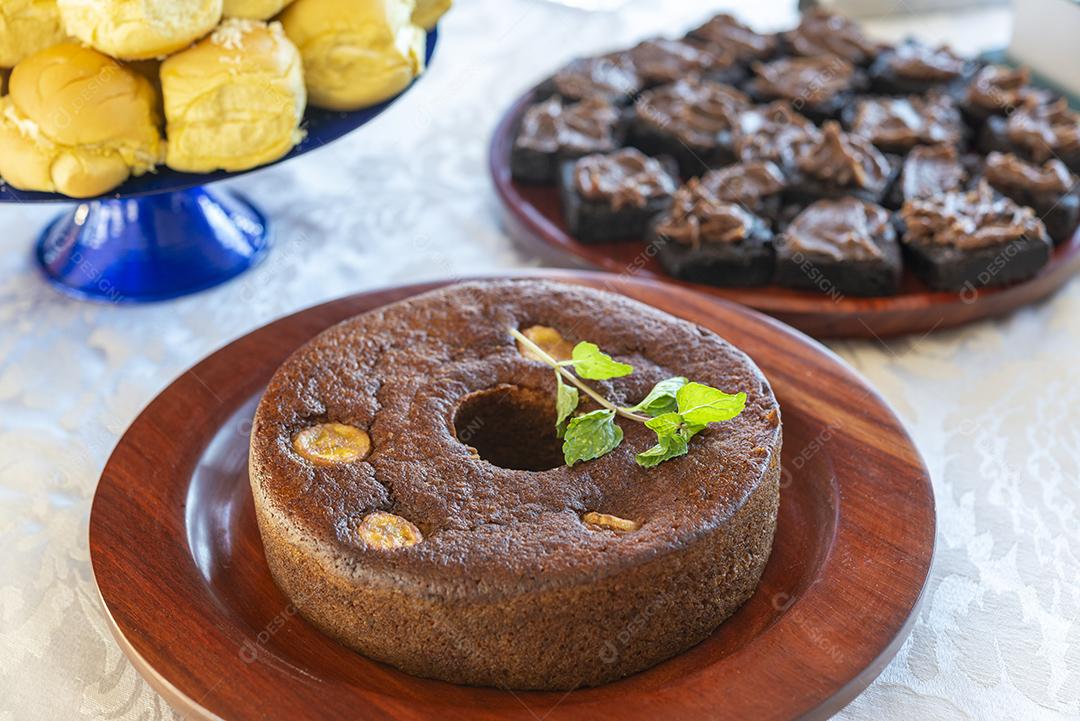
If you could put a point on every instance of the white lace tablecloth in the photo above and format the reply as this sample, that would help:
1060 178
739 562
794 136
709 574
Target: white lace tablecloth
993 407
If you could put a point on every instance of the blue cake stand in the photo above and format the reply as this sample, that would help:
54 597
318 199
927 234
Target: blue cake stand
168 234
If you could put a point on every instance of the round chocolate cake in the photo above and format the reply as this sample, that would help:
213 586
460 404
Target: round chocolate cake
414 503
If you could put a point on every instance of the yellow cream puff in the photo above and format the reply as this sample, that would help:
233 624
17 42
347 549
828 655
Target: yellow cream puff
139 29
235 100
428 12
27 26
356 52
254 9
77 122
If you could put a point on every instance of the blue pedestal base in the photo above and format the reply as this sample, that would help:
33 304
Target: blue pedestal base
150 248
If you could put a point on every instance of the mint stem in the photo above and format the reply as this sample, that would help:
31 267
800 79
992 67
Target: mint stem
574 379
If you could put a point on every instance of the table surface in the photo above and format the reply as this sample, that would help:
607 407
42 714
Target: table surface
993 407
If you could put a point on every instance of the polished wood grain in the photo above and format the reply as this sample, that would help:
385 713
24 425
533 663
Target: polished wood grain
532 214
179 564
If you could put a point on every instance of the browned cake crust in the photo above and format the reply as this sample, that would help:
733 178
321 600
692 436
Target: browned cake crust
509 587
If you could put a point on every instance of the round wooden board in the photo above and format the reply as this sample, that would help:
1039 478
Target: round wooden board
533 216
179 564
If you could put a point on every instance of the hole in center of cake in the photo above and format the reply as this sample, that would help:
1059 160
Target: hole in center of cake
510 427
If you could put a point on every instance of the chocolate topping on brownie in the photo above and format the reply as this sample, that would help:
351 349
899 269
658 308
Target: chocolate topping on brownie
1002 88
1005 170
968 220
726 31
842 160
930 170
841 229
910 121
609 76
773 132
916 61
1045 130
698 216
745 183
822 33
665 61
806 80
625 178
585 127
695 111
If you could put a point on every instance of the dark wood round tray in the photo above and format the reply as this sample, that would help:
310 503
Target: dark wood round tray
179 564
533 216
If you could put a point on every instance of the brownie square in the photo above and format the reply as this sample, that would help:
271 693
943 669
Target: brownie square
725 32
913 68
838 165
611 77
944 267
929 170
749 262
817 87
963 241
840 247
551 131
610 219
704 239
1050 190
1036 132
692 121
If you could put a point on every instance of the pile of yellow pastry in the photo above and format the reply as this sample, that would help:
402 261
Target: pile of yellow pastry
91 80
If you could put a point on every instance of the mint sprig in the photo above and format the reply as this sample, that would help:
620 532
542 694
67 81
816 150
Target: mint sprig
676 409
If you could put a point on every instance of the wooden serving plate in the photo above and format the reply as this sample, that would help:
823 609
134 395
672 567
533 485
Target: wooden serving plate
533 216
180 567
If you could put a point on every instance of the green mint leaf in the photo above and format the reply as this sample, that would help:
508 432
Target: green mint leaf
666 448
661 398
699 404
591 435
592 363
665 424
566 402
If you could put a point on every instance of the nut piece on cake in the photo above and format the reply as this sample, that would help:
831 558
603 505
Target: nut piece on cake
332 443
611 523
387 531
549 340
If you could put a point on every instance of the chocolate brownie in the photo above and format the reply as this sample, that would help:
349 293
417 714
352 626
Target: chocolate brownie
898 124
930 170
418 551
1050 189
818 87
552 131
961 241
611 77
691 120
840 247
756 185
840 164
724 33
822 33
1036 131
775 133
998 90
704 239
661 61
614 196
914 67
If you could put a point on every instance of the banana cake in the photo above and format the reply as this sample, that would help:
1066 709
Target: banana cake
414 504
